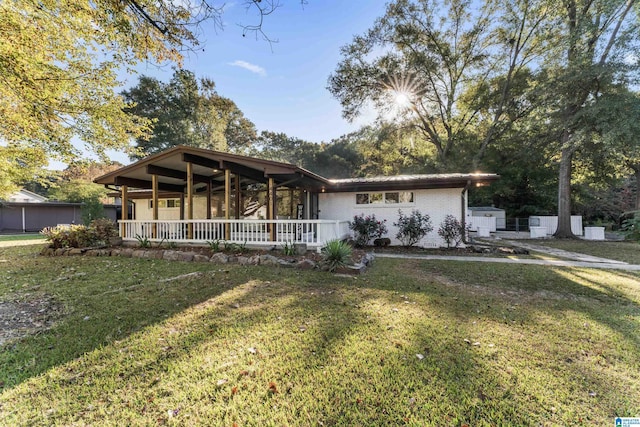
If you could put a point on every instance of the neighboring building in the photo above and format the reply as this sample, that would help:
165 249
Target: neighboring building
26 196
27 212
193 195
491 212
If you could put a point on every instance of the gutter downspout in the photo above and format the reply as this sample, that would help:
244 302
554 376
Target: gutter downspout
463 210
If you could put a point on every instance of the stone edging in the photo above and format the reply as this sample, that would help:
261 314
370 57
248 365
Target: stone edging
218 258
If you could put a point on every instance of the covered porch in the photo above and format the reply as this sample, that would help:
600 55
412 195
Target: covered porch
191 195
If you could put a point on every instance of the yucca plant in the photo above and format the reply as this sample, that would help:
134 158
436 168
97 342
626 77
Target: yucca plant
336 254
143 242
288 249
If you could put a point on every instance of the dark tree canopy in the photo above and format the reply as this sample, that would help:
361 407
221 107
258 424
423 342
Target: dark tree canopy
188 111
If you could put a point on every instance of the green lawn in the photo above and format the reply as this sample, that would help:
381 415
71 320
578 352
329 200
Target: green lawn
145 342
15 239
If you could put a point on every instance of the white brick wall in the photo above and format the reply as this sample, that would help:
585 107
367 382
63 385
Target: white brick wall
438 203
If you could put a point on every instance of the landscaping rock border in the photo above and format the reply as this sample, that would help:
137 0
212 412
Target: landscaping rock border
217 258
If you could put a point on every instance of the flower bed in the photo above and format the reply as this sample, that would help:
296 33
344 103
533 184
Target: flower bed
307 261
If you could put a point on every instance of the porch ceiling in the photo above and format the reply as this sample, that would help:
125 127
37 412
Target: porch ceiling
208 166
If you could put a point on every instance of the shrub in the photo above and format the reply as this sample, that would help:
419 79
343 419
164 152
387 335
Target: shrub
69 236
452 231
336 254
631 228
104 229
366 228
413 227
215 245
236 248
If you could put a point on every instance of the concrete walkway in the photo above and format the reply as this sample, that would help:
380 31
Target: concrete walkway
613 265
574 259
561 253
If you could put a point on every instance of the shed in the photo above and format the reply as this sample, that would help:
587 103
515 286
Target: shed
490 211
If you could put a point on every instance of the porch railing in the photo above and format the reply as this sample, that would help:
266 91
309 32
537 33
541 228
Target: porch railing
314 233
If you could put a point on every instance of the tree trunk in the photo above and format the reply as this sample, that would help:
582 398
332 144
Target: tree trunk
637 173
564 191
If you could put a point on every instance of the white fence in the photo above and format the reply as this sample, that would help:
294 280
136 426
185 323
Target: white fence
551 223
482 221
314 233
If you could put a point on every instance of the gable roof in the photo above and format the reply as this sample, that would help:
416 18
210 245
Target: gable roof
26 196
170 167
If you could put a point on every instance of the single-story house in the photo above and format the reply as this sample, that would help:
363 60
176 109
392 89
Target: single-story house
188 195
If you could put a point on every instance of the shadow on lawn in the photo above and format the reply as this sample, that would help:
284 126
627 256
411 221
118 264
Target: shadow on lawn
594 328
336 334
358 362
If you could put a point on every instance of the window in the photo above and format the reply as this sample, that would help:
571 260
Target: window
386 198
166 203
391 197
406 197
362 199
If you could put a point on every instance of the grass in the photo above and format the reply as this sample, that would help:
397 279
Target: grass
146 342
17 239
617 250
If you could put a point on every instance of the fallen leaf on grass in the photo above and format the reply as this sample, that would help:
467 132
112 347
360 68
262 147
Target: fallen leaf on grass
419 356
273 388
222 382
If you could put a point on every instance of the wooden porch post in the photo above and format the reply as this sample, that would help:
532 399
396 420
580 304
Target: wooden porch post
124 215
271 209
154 197
291 204
209 200
190 199
237 193
227 202
307 209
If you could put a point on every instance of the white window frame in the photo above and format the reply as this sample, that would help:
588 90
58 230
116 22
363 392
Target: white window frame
379 198
164 203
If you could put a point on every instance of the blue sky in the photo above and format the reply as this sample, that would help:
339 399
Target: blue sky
282 87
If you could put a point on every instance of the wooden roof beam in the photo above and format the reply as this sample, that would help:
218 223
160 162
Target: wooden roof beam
141 183
173 173
243 170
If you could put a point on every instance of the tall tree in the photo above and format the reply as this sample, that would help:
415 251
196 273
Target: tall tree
453 66
280 147
58 64
188 111
594 51
19 164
